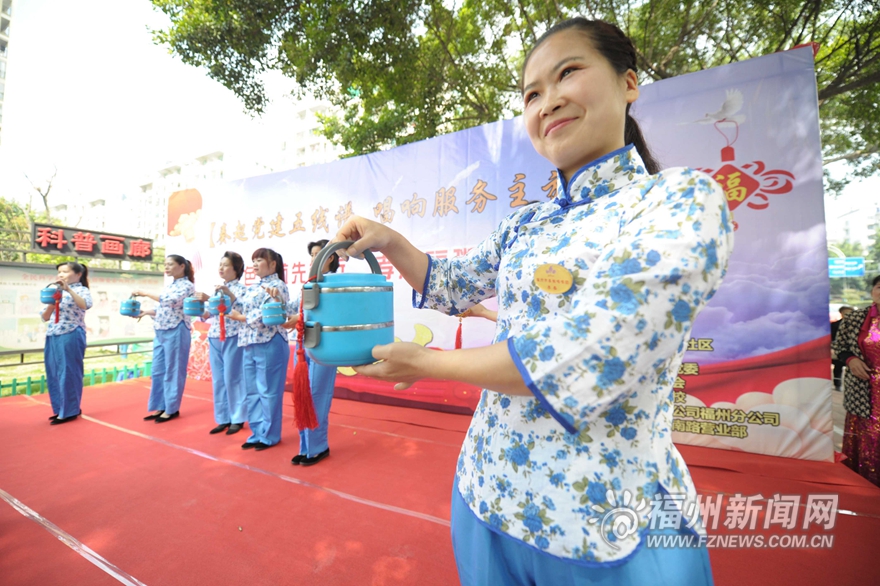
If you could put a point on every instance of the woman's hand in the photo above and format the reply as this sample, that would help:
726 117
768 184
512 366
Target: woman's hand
859 369
479 310
236 315
224 289
366 234
274 293
402 363
291 323
200 296
137 293
63 284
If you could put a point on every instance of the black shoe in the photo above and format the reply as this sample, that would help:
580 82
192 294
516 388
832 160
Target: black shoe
60 420
53 418
249 445
234 428
219 428
297 459
169 418
315 459
261 446
153 416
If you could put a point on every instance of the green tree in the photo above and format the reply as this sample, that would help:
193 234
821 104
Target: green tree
15 231
405 70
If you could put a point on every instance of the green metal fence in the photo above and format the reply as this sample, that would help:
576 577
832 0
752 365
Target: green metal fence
35 386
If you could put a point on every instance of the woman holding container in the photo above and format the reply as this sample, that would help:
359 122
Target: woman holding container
597 293
66 342
172 342
227 357
266 351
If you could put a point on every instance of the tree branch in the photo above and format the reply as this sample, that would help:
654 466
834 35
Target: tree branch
852 156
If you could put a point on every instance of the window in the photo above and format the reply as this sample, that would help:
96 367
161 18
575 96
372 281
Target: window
2 69
2 88
4 26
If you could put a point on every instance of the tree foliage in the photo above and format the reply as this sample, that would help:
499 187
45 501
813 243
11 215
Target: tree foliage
405 70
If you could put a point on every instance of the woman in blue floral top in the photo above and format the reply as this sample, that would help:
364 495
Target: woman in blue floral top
227 367
66 342
172 342
597 292
266 351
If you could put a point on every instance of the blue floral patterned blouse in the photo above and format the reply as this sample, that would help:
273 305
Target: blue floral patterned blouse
646 252
70 315
254 331
169 312
232 327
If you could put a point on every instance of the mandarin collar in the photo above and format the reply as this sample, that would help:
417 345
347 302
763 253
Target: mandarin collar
600 177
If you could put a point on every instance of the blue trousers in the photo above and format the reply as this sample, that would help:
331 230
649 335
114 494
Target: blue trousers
170 357
64 371
227 369
322 379
487 558
265 370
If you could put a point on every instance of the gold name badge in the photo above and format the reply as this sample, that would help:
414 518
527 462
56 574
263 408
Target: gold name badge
555 279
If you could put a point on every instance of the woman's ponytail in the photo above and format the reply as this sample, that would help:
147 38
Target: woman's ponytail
632 134
279 267
84 279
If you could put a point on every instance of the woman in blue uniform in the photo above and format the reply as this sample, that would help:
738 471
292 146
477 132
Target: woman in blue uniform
266 351
172 342
227 366
66 342
313 445
597 292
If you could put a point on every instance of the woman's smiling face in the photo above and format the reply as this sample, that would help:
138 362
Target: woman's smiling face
574 101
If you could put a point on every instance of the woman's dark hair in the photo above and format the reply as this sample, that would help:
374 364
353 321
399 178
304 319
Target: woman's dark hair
334 264
187 267
618 49
237 262
81 270
875 281
270 255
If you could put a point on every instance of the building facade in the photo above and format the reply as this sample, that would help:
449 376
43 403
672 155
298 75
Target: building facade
5 25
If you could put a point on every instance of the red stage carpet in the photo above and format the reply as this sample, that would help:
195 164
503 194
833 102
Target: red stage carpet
111 498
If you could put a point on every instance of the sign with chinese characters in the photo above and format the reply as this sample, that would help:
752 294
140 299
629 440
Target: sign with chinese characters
851 266
756 373
86 243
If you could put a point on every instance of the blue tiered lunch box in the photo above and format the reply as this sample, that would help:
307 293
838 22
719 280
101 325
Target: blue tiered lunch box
130 307
347 314
193 307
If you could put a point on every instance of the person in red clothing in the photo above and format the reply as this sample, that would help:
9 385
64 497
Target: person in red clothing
857 345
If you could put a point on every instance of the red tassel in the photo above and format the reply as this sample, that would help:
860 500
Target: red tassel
57 297
458 336
222 309
304 416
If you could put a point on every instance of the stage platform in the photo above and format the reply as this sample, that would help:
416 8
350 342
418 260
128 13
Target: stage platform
111 499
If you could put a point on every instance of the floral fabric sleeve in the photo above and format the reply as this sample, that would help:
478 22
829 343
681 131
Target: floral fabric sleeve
453 285
631 311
